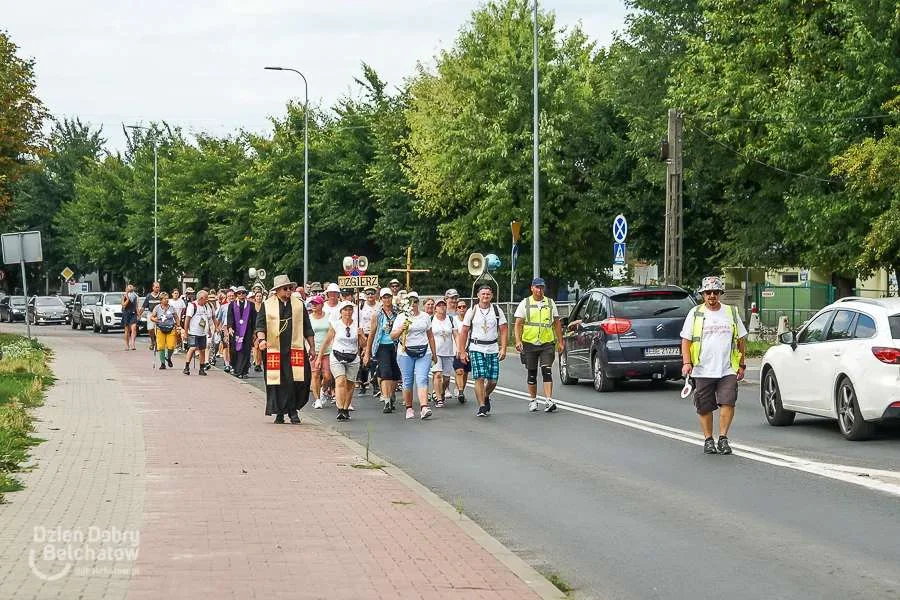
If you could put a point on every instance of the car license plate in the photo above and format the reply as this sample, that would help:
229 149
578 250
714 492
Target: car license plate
663 351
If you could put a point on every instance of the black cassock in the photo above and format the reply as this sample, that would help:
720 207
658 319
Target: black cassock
240 360
290 396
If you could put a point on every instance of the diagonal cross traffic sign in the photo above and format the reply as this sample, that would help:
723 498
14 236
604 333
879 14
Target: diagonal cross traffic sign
620 228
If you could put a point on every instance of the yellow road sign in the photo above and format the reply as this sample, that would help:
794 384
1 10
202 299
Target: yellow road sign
67 273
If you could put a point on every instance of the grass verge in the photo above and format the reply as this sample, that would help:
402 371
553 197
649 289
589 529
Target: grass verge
24 375
757 349
560 583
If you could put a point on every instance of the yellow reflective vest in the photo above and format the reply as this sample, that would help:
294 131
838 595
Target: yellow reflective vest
538 328
697 335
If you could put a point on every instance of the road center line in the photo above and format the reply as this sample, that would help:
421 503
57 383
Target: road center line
874 479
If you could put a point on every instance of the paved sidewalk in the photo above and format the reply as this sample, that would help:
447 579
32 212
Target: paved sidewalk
228 504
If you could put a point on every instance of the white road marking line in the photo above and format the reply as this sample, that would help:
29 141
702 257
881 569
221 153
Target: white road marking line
874 479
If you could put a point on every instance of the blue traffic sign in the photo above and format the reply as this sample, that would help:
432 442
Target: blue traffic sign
620 228
619 253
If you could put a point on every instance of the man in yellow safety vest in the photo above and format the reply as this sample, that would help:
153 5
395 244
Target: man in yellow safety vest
712 349
538 338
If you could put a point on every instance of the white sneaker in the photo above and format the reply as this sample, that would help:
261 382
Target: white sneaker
551 406
410 413
532 406
426 412
318 403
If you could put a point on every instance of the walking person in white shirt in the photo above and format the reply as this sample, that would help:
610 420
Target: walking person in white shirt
444 331
415 355
485 331
198 325
342 340
713 349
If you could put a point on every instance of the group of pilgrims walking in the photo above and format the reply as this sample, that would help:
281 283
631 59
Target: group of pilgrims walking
323 343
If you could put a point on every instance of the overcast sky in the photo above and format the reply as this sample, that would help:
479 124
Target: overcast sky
199 63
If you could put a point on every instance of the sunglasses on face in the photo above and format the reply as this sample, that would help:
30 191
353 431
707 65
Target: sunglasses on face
712 292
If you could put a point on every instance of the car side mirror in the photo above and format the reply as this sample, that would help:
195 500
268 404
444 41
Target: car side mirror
99 303
789 338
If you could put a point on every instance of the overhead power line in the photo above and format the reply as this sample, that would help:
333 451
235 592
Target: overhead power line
762 163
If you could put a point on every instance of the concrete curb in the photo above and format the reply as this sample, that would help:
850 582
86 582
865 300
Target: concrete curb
539 584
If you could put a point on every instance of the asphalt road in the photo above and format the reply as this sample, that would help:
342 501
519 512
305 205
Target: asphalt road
623 504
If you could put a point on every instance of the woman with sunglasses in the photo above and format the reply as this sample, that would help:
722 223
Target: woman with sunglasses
415 355
381 349
321 369
342 341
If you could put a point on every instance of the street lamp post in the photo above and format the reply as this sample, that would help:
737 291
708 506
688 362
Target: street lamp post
305 169
537 161
155 196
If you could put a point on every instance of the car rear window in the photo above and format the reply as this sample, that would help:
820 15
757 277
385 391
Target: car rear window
17 301
894 320
48 302
645 304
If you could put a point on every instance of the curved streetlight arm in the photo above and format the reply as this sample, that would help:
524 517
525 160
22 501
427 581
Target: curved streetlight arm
305 168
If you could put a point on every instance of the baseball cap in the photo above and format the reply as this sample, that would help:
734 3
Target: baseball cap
189 290
385 292
344 305
413 295
451 292
333 287
317 299
440 301
370 290
538 281
393 281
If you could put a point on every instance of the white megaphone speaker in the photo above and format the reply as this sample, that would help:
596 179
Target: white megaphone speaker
476 264
362 263
252 273
261 273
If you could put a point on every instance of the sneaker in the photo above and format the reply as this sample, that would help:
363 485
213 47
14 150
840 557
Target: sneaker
318 403
169 362
709 446
279 419
481 412
439 404
425 413
202 372
724 446
186 370
227 369
461 398
410 413
532 406
162 366
340 415
487 404
551 406
376 393
347 416
387 407
295 419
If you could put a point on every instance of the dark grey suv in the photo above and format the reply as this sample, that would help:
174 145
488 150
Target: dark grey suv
621 333
83 309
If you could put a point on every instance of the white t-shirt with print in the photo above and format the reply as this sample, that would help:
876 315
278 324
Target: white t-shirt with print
342 342
417 335
715 346
201 319
178 305
443 330
484 326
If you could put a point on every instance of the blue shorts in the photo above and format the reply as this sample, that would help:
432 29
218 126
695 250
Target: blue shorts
485 366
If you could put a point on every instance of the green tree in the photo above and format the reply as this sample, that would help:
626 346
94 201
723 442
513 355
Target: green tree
22 116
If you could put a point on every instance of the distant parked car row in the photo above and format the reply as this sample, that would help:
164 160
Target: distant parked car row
37 310
101 311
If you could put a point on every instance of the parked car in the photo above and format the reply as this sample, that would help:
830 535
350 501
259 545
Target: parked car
108 312
82 311
12 308
46 310
842 364
621 333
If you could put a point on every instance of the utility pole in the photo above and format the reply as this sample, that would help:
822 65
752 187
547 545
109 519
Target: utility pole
536 217
674 243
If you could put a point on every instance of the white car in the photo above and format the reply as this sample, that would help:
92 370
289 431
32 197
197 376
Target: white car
108 312
843 364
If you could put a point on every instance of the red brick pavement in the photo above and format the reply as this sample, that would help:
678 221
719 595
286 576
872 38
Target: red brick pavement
238 507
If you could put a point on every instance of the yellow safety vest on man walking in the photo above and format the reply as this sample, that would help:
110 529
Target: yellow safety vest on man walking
538 326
